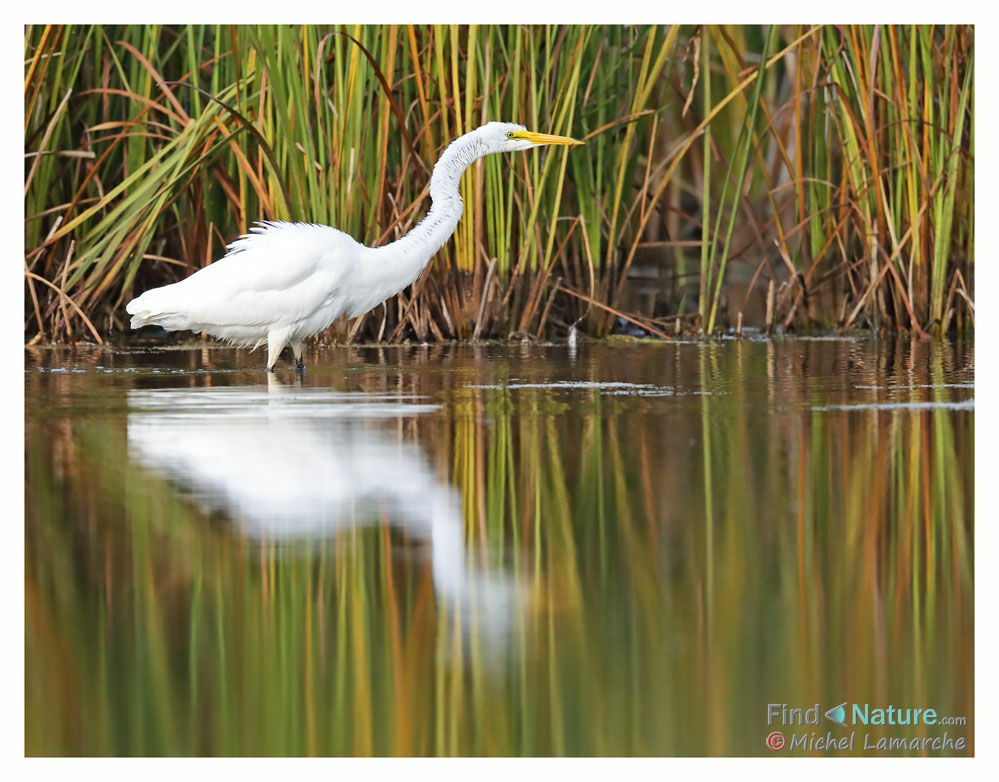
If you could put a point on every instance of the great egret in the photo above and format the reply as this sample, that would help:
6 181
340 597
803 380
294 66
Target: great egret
284 282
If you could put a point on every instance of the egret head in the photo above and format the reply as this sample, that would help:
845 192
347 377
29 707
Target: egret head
510 137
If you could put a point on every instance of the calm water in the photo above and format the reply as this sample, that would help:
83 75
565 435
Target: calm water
497 550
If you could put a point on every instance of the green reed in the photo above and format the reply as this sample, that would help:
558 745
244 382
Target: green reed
841 174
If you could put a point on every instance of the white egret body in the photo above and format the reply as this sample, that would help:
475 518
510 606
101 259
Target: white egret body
284 282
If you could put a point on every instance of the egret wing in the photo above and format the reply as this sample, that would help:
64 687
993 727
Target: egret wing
278 274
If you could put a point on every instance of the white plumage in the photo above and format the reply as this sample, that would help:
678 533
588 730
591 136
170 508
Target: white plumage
283 282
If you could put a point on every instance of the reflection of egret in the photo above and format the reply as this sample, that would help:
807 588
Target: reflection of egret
302 464
284 282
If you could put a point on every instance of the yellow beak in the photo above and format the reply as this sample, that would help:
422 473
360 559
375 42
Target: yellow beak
544 138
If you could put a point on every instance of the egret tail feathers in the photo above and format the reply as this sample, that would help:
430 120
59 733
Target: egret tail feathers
151 310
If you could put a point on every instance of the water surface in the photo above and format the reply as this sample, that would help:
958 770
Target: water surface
618 549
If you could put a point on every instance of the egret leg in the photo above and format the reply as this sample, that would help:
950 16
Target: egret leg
276 340
296 350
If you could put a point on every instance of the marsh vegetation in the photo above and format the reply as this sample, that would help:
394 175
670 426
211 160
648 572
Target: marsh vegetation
791 177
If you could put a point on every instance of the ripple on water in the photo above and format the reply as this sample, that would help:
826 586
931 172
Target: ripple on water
254 401
964 404
611 388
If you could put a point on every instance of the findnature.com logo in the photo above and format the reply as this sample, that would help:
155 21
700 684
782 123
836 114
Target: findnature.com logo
862 715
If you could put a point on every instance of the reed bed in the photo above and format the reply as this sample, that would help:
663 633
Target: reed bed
686 557
792 177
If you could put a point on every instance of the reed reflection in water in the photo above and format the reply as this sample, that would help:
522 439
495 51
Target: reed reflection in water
628 550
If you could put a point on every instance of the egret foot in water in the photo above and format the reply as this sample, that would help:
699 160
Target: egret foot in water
299 356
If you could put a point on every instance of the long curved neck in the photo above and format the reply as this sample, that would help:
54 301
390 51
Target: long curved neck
407 256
